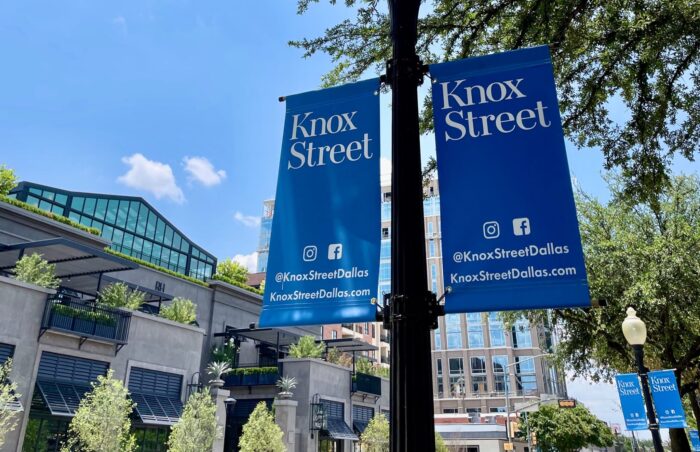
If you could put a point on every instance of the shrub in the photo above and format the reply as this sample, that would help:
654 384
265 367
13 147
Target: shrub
8 180
34 269
230 269
180 310
197 428
84 314
9 418
375 438
225 353
260 433
118 295
306 347
44 213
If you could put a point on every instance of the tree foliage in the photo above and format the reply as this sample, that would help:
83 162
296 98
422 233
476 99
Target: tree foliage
102 423
440 445
260 433
375 438
627 71
180 310
8 180
197 428
34 269
119 295
9 418
306 347
566 429
230 269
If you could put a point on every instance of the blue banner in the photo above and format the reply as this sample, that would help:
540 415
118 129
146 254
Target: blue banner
509 230
667 399
324 249
632 401
695 440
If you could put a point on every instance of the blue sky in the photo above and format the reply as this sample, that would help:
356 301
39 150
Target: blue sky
176 102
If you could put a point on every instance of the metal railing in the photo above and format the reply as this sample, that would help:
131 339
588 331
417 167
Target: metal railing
87 320
368 384
252 376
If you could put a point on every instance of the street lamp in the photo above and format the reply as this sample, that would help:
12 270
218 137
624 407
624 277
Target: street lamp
635 332
508 432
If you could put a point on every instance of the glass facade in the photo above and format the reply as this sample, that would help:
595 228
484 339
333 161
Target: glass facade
131 224
525 375
454 331
521 334
475 330
457 381
478 374
496 333
500 363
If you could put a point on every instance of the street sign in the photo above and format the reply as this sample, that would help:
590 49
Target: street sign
632 401
509 230
567 403
667 399
324 249
694 440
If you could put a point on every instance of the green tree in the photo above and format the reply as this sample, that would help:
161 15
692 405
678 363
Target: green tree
102 423
306 347
260 433
645 255
566 429
8 180
9 417
197 428
34 269
639 55
119 295
375 438
230 269
440 444
180 310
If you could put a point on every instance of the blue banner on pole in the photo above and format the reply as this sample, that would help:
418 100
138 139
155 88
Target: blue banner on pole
509 230
667 399
695 440
632 401
325 241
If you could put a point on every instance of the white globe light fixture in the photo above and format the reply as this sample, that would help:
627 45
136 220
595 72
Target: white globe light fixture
634 329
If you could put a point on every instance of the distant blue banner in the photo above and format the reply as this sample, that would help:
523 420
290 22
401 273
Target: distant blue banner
695 440
667 399
510 235
324 250
632 401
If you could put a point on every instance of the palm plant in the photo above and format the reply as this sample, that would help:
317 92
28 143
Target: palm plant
218 368
286 385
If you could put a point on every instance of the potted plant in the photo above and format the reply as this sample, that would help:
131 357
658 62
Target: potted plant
216 370
286 385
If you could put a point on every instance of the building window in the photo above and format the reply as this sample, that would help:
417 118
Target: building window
431 248
454 331
438 339
449 410
334 334
475 330
366 328
385 233
385 250
500 363
521 334
430 229
440 387
433 278
385 271
496 333
478 374
525 375
457 383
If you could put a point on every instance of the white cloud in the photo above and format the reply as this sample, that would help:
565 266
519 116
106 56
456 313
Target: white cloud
201 170
154 177
385 171
249 261
247 220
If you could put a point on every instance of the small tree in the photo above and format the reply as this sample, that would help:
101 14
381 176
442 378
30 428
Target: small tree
34 269
566 429
440 443
102 423
260 433
180 310
375 438
230 269
197 428
118 295
226 352
306 347
8 180
8 417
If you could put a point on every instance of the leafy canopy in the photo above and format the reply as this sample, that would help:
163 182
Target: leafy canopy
197 428
627 72
375 438
8 180
232 270
260 433
119 295
34 269
306 347
180 310
9 418
566 429
102 423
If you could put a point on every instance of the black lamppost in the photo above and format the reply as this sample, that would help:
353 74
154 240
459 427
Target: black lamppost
635 332
230 403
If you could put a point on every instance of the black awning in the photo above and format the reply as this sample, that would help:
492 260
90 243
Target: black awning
61 398
336 428
157 410
349 345
269 336
359 426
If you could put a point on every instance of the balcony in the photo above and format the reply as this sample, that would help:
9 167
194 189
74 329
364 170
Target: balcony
385 360
369 384
252 376
347 325
86 320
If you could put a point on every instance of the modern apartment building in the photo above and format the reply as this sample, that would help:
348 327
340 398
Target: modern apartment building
129 223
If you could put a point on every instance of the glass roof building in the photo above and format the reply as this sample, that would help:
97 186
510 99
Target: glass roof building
132 225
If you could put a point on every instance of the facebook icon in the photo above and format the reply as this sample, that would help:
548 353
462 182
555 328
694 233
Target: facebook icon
521 226
335 251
